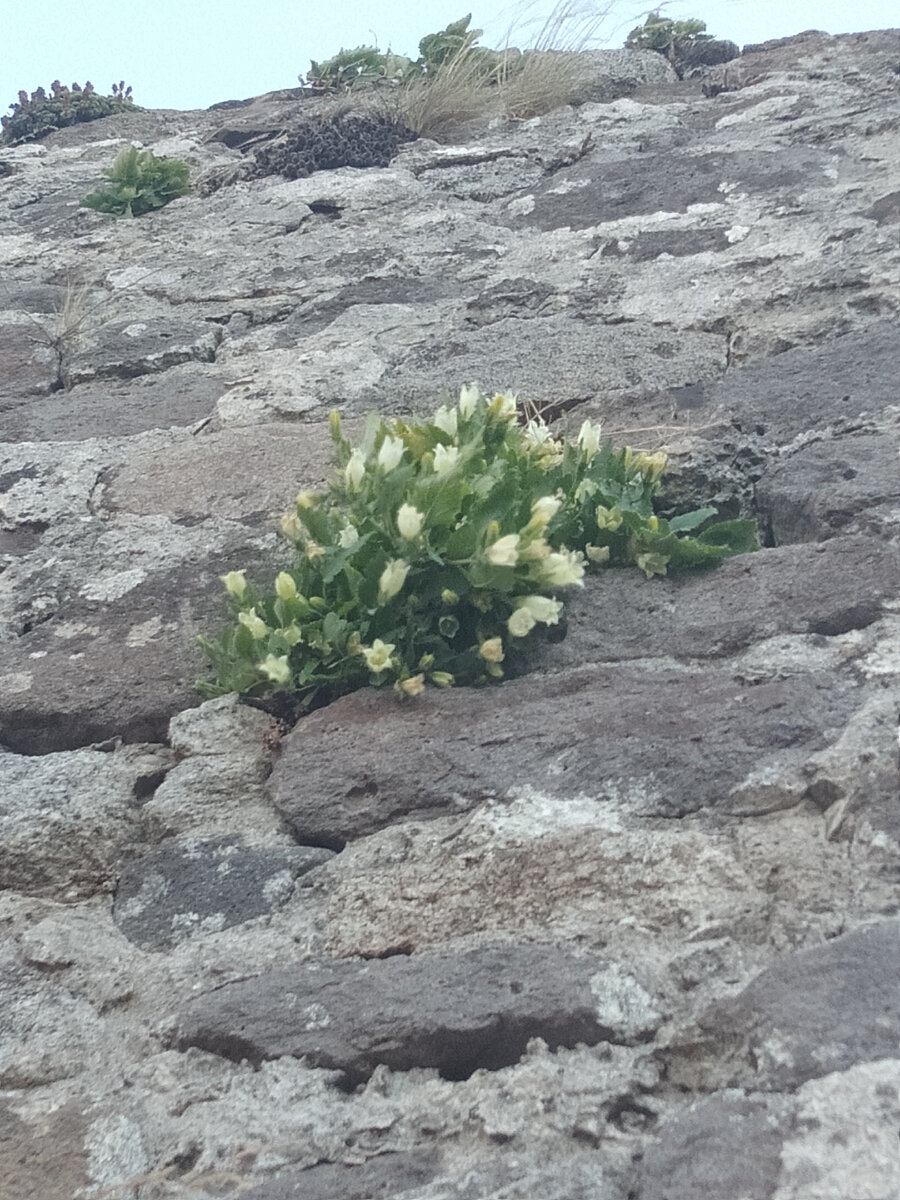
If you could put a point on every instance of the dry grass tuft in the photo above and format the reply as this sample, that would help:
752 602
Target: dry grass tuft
551 73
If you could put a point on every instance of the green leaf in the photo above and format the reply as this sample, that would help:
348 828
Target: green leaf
691 520
736 537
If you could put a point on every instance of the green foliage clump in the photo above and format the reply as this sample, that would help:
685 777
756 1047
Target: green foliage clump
139 183
368 67
441 551
364 67
34 116
666 36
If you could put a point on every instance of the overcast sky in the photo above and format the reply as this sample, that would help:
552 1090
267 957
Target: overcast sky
193 53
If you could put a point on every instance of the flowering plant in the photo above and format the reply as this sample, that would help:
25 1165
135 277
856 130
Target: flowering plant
441 551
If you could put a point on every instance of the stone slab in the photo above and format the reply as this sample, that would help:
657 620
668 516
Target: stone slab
684 738
457 1012
824 1009
190 886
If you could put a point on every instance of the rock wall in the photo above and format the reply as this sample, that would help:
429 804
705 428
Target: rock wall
624 929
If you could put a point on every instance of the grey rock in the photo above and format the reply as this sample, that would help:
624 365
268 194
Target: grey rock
693 799
377 1179
708 53
190 886
823 1009
833 486
456 1012
126 349
727 1146
65 819
180 396
825 590
367 760
601 191
813 387
42 1159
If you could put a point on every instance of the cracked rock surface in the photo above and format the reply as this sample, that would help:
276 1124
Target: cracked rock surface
624 928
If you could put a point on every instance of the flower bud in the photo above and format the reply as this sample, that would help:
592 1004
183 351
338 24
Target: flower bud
409 521
445 459
390 453
589 439
392 579
355 470
285 587
235 584
292 527
521 623
446 420
492 650
468 400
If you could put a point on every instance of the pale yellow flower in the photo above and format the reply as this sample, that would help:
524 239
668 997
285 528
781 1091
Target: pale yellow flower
652 564
276 668
355 470
520 623
651 464
492 650
390 453
608 518
541 608
563 568
254 622
589 438
445 459
378 655
313 550
235 583
285 587
292 527
542 513
597 554
504 552
348 537
535 551
503 406
442 679
392 579
446 419
306 499
468 400
292 634
414 686
537 432
409 521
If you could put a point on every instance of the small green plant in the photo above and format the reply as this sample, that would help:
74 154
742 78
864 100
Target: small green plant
367 66
34 116
139 183
351 70
441 551
673 39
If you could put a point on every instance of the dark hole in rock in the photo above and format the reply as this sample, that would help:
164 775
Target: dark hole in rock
326 210
146 785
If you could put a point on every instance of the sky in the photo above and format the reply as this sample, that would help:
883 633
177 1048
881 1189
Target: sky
193 53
